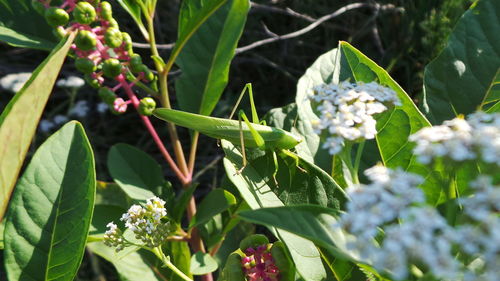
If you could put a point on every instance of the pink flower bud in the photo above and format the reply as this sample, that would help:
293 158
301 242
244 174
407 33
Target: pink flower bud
259 264
120 105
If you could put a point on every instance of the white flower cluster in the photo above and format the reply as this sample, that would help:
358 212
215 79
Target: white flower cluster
482 240
461 140
14 82
383 201
347 109
71 82
392 211
113 237
145 222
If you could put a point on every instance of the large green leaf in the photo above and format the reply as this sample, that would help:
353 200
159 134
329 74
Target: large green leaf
20 117
131 265
314 223
137 173
254 188
206 57
217 201
22 26
459 79
48 220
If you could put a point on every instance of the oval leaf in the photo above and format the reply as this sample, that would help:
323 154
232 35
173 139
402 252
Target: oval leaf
20 117
203 263
460 78
217 201
206 57
137 173
51 209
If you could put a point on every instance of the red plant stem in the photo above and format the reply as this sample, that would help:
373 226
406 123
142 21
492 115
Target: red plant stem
135 101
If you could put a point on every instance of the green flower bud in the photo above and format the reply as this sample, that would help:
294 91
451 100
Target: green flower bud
106 11
253 241
127 43
107 96
233 270
94 83
281 260
146 106
85 65
136 65
59 32
113 23
148 74
56 16
111 68
38 7
113 37
85 40
84 13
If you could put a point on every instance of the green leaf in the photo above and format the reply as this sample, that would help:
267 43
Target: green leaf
206 57
111 194
51 209
104 214
217 201
2 228
134 10
320 72
137 173
314 223
180 256
22 26
20 117
193 13
203 263
182 202
254 188
131 265
458 80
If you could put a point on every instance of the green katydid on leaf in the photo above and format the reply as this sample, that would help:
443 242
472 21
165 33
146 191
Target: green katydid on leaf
49 217
20 117
459 80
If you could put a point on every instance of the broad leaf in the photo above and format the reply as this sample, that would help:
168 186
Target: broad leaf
193 13
254 188
104 214
459 79
22 26
206 57
49 217
314 223
20 117
217 201
137 173
134 10
202 263
131 265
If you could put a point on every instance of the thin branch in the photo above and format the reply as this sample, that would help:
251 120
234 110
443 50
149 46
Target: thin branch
307 28
287 11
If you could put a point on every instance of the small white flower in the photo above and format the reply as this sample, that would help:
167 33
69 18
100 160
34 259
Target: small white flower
102 107
72 82
80 109
346 111
59 119
46 125
15 81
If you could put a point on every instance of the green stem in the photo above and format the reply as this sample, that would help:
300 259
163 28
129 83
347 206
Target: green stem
166 261
359 153
451 212
347 159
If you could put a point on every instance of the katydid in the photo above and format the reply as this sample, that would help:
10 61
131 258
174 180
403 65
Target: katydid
241 131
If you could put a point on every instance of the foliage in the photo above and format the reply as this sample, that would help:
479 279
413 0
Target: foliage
427 211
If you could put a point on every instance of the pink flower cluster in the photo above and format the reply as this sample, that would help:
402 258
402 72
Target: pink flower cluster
259 265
